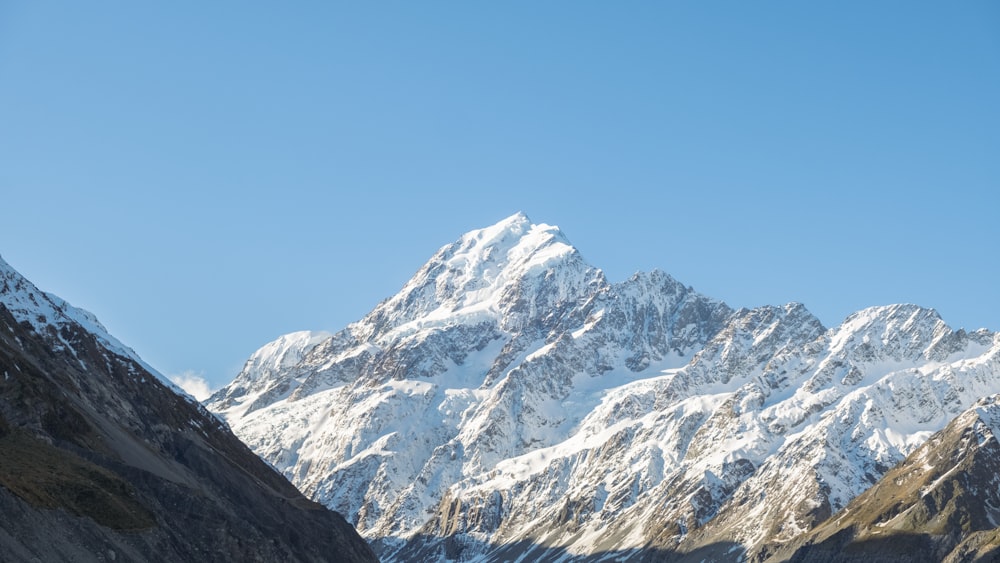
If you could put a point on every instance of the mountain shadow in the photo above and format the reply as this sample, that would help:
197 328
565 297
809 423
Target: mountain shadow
461 548
897 548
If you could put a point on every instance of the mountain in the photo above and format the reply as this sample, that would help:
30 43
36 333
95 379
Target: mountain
100 460
512 402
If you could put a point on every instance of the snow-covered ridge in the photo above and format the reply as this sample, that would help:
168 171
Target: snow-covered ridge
47 314
509 395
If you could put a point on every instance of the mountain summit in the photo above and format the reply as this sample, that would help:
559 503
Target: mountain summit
510 401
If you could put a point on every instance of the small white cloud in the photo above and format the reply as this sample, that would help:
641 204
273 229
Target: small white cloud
193 384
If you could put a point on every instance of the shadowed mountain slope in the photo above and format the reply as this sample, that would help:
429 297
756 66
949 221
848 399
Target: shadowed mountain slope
101 461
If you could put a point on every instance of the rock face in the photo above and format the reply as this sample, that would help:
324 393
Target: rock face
941 504
101 461
509 401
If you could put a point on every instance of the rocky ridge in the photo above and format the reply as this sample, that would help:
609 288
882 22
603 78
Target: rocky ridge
942 503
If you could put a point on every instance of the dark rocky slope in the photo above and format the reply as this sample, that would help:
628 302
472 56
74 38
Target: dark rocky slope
100 461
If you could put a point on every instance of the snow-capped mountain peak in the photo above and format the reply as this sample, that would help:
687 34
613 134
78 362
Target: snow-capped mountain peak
510 400
906 329
488 272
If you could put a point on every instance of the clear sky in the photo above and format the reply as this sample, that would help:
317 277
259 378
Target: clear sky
206 176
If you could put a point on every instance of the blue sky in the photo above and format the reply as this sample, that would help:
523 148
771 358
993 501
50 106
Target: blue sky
206 176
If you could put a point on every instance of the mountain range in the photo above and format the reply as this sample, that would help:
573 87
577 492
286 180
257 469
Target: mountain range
102 460
511 403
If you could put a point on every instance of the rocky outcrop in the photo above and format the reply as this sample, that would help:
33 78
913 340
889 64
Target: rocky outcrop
942 503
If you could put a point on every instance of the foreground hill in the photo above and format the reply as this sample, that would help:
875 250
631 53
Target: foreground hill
101 461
